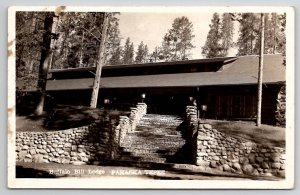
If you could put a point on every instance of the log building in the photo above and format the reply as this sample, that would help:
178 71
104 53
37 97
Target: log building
225 87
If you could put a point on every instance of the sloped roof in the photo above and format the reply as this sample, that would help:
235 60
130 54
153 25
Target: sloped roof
244 70
125 66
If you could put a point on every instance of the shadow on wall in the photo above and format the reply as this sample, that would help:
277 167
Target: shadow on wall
185 153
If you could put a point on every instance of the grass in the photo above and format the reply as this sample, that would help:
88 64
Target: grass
265 134
63 117
67 116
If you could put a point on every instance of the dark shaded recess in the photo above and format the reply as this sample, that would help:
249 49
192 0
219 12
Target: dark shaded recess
185 154
22 172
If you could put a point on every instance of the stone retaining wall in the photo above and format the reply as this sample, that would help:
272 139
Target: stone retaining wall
76 146
88 144
216 150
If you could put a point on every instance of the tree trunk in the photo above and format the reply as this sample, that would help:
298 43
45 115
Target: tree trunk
274 34
44 62
100 62
81 52
260 70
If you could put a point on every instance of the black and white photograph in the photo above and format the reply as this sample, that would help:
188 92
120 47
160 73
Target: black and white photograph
151 97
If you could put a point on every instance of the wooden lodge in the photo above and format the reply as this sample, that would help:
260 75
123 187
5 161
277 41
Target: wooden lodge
226 86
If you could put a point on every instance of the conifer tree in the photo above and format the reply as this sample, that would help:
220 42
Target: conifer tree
248 41
142 53
113 49
212 47
177 42
226 34
116 56
128 52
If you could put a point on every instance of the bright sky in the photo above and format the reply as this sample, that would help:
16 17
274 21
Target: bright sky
151 27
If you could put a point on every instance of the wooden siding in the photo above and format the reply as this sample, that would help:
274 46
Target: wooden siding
235 106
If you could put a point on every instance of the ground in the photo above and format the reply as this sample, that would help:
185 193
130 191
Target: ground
176 172
272 136
62 117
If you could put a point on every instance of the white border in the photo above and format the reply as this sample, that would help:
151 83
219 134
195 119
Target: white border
132 183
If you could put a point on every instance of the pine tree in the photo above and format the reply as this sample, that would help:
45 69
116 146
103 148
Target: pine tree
142 53
113 50
131 52
146 53
280 34
226 34
44 62
166 50
100 60
178 41
248 41
212 47
29 35
128 52
116 56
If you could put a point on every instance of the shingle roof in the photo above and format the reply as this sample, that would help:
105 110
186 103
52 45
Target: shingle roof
123 66
243 70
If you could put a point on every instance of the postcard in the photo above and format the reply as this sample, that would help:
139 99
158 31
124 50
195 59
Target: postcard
151 97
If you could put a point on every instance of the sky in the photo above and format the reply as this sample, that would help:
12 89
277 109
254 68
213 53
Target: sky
151 27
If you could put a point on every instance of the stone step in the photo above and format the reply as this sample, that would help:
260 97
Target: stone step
164 128
159 147
157 142
153 137
168 146
144 155
138 151
153 147
159 122
144 159
155 127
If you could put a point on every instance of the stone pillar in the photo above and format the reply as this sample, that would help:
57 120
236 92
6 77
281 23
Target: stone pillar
132 117
281 107
114 139
124 127
142 107
136 113
192 121
202 140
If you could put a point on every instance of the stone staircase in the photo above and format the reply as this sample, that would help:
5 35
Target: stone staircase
157 139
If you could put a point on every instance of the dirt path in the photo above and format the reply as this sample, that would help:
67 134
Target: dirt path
52 170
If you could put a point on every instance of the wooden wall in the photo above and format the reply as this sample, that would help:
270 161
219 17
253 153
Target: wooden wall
223 102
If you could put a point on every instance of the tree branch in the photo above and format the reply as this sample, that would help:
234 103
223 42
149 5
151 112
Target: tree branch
89 31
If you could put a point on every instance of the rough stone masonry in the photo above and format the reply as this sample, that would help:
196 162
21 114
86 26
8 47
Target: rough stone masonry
280 114
216 150
82 145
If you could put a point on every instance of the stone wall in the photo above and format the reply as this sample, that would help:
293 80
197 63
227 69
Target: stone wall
83 145
216 150
136 113
281 107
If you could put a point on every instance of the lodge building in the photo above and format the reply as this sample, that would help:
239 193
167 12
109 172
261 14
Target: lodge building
226 86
